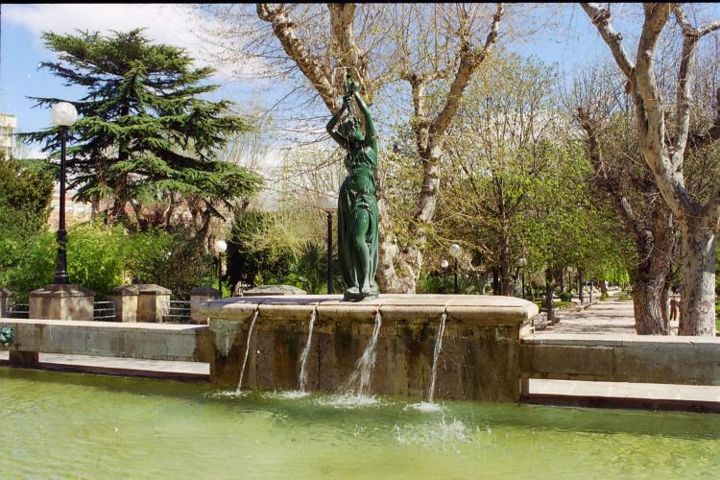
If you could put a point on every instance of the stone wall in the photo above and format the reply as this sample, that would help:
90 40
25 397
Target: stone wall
479 361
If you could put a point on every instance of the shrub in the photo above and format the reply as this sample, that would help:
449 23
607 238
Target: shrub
565 296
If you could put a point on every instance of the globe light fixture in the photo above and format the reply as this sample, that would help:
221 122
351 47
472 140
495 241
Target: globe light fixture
63 116
221 246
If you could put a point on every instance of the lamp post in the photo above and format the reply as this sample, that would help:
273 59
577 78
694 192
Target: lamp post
221 248
444 265
63 116
328 203
455 253
522 263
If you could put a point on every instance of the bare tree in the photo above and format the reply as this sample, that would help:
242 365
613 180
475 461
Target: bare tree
663 145
622 177
437 59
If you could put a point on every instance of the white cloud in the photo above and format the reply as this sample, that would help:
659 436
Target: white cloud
174 24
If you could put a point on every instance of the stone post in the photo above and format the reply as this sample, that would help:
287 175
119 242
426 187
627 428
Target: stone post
5 297
153 302
55 302
125 299
62 302
198 296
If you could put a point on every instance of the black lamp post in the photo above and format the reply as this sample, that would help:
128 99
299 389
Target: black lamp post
328 203
455 252
444 265
221 247
63 116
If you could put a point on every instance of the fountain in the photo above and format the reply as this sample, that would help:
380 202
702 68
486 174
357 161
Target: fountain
247 348
306 351
359 382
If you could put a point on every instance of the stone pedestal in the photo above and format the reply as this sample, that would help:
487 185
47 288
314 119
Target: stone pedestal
198 296
125 299
5 297
480 358
153 302
62 302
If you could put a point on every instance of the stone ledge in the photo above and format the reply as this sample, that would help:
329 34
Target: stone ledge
490 310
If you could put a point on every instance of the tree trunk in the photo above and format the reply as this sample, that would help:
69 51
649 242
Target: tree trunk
648 305
496 282
550 275
506 281
603 288
581 296
697 302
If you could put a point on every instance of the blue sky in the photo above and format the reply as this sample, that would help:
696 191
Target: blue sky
572 44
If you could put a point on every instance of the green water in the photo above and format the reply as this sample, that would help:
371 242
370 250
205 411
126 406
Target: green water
56 426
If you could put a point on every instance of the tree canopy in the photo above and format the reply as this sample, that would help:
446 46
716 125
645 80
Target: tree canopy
146 132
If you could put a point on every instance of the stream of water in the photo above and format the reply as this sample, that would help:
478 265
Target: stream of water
306 351
359 382
247 349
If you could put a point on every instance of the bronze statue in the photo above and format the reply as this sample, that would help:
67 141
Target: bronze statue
357 205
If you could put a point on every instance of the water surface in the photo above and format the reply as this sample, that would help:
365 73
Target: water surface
66 425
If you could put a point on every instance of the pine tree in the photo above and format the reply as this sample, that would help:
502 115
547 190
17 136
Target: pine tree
146 134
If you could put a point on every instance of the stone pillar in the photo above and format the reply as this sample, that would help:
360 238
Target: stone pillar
62 302
125 299
153 302
5 297
198 296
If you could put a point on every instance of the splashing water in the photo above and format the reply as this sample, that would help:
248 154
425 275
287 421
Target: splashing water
306 351
359 382
436 354
247 349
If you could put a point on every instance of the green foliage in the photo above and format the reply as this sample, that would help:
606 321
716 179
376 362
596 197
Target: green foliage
177 261
102 257
145 133
25 194
565 296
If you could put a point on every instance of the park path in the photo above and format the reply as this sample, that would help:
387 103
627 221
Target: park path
602 318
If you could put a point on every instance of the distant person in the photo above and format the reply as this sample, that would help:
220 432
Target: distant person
674 308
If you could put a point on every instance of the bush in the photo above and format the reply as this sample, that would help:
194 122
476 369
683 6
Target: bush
102 257
565 297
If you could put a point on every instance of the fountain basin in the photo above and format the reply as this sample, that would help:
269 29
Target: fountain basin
480 358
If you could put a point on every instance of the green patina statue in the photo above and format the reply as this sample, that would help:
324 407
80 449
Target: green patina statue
7 334
357 205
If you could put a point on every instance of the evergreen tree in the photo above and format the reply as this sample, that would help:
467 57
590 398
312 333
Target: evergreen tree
145 135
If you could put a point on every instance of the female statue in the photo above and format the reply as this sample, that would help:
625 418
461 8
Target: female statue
357 205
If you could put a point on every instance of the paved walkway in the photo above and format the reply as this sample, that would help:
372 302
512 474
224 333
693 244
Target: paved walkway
609 317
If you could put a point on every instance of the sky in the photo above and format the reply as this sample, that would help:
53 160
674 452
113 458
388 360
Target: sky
572 43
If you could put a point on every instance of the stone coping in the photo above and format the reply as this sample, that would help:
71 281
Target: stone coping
62 290
140 288
97 325
482 308
615 340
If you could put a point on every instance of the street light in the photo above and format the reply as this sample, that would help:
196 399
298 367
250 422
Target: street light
220 247
522 263
444 265
455 253
63 115
328 203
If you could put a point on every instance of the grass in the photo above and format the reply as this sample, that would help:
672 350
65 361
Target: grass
558 304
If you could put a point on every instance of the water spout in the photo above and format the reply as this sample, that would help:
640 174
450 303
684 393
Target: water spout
306 351
359 381
247 348
436 354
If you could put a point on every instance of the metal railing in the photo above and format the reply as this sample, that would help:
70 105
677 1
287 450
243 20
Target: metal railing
19 310
104 311
177 311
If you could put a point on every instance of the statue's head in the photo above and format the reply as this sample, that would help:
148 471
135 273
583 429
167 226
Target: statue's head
351 130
